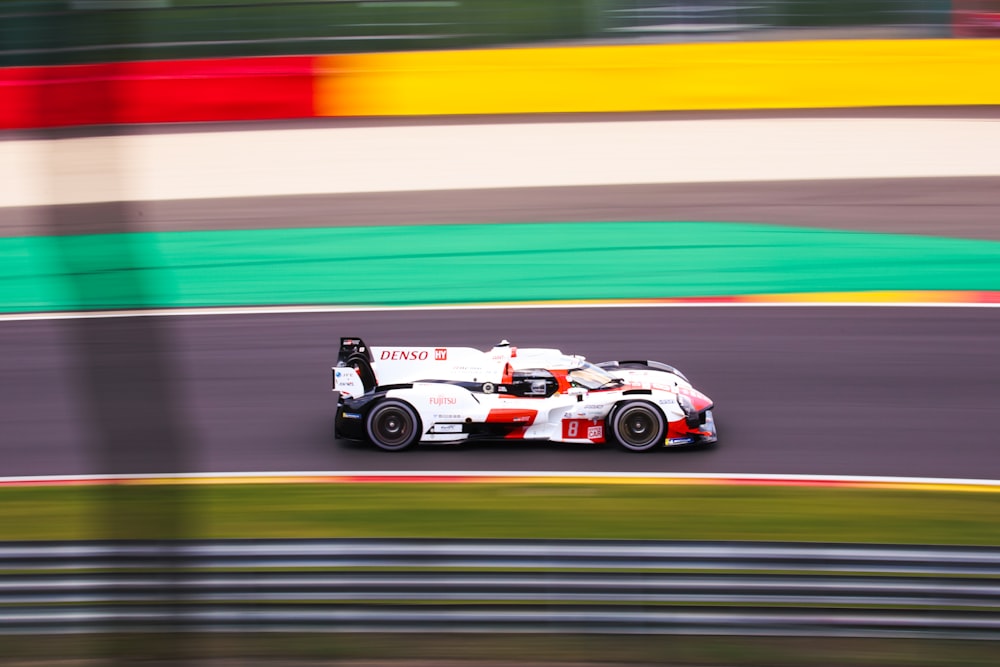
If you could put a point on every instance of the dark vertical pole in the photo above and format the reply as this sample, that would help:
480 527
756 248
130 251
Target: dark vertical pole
125 371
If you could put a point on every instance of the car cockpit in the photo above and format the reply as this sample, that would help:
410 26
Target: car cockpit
533 383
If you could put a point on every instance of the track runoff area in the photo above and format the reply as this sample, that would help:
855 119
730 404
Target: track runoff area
498 477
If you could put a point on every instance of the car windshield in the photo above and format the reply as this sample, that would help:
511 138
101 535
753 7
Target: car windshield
590 376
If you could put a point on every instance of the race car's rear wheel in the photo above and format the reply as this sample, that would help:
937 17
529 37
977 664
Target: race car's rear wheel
638 426
393 425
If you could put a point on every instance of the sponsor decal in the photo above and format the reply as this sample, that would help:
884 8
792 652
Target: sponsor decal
347 382
511 416
583 429
440 354
443 400
447 416
404 355
447 428
679 441
351 415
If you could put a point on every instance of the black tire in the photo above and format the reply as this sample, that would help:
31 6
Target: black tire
639 426
360 363
393 425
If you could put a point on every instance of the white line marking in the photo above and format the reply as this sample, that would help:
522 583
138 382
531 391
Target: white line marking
291 310
431 474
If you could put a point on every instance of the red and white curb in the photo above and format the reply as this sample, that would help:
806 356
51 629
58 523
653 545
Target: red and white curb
898 299
485 477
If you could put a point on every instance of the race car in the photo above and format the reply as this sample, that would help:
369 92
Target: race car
395 397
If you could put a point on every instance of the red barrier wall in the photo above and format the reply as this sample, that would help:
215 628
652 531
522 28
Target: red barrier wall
157 92
750 75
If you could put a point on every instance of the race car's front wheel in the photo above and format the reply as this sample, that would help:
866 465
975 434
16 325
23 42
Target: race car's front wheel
638 426
393 425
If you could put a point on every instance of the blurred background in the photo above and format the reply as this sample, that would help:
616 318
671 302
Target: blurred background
309 167
40 32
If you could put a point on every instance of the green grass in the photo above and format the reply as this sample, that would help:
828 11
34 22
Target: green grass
599 511
862 12
43 33
35 32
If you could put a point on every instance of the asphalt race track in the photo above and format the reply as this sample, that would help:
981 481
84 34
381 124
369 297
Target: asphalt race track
903 391
807 390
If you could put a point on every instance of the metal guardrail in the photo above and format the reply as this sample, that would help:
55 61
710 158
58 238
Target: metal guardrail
619 587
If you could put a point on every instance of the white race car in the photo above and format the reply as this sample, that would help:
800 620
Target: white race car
396 397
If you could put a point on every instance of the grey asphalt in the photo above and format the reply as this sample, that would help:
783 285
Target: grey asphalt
842 390
955 207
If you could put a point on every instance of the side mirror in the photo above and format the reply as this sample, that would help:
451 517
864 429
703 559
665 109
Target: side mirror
579 392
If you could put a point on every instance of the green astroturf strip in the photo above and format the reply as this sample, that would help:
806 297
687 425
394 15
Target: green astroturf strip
475 263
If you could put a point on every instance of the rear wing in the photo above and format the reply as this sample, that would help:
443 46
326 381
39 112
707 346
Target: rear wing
350 347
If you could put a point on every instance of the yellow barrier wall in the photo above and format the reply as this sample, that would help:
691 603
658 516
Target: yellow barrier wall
747 75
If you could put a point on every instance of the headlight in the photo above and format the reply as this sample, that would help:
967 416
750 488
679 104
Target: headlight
691 417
